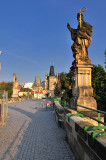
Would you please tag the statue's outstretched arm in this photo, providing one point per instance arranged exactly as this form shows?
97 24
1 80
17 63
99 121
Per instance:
68 26
70 29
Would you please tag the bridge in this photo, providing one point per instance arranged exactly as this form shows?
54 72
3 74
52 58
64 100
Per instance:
31 133
85 130
51 130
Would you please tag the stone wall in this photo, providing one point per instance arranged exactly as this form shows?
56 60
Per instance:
81 143
59 115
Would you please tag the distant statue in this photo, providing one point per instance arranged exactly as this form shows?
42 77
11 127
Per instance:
82 37
15 81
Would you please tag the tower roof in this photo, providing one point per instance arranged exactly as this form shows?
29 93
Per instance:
37 80
51 73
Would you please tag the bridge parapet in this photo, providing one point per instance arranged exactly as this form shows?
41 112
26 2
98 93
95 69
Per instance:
83 136
82 143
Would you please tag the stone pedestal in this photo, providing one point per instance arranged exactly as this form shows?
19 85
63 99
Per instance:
15 93
82 88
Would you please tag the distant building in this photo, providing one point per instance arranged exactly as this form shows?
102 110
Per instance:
37 80
43 84
38 88
46 82
38 95
25 92
50 82
28 85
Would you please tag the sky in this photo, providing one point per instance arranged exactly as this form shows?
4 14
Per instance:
34 35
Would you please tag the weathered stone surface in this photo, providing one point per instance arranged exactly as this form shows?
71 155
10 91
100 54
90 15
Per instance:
59 115
98 145
78 150
82 89
82 144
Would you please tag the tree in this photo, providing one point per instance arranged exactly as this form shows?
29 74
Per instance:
57 91
99 86
105 60
62 89
7 86
62 80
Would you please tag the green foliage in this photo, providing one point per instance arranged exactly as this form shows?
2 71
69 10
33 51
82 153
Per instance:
62 89
99 86
7 86
57 91
66 96
105 60
63 80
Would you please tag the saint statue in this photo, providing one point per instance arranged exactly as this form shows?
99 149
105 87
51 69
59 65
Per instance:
82 37
15 81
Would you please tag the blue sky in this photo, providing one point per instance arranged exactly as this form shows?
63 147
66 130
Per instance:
34 34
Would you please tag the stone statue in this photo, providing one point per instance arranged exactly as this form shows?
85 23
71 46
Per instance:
15 86
82 91
82 37
15 81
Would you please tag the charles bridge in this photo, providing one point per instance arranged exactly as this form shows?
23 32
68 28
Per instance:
36 131
31 133
28 129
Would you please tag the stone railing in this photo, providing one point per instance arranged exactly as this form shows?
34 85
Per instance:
82 144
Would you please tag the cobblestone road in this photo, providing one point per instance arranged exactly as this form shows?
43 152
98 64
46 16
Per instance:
32 134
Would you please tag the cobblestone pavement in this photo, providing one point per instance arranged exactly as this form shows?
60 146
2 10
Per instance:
32 134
